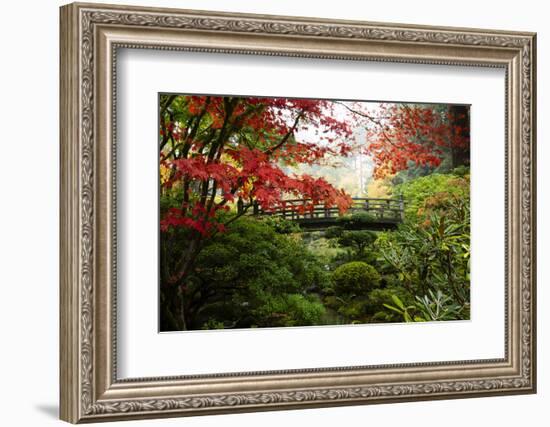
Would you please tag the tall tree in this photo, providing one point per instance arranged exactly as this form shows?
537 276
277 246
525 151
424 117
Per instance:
220 150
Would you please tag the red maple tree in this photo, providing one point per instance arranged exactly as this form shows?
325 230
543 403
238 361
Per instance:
400 136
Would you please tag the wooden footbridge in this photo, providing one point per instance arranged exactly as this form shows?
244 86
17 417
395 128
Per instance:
382 213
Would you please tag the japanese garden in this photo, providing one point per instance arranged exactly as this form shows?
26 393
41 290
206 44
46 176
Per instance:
278 212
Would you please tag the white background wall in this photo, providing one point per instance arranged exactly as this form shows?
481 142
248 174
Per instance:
29 170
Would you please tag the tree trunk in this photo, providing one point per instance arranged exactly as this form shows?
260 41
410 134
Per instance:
171 315
460 118
174 313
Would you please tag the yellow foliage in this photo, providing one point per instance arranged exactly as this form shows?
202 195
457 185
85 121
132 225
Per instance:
164 174
379 188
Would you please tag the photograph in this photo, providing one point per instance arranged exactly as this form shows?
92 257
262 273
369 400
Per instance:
290 212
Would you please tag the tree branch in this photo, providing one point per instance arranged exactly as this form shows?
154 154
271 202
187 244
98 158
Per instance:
167 104
289 133
369 117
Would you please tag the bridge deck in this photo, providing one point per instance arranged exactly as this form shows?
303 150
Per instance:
384 213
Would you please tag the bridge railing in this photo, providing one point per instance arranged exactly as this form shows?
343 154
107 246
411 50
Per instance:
303 209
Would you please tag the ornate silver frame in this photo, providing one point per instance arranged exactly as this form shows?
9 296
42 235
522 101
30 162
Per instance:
90 35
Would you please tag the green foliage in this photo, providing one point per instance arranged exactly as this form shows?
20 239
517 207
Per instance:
406 311
333 302
265 273
354 242
359 240
430 252
212 324
378 298
356 220
417 191
324 250
385 317
355 278
290 310
433 257
439 307
254 276
431 307
461 171
333 232
281 225
354 311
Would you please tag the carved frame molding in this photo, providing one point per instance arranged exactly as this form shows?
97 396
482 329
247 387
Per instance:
90 36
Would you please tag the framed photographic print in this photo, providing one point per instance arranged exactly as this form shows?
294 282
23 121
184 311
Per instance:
266 212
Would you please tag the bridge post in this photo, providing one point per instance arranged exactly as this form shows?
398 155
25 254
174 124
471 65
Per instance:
401 207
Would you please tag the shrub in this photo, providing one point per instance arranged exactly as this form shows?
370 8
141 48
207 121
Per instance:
359 240
432 307
385 317
356 220
378 298
281 225
333 232
332 302
289 310
435 254
417 191
354 311
355 278
213 324
306 310
252 275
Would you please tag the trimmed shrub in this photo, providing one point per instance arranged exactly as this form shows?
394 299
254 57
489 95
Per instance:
355 278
